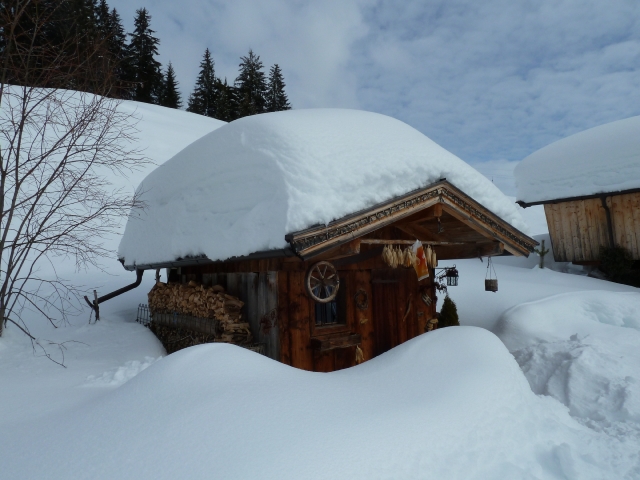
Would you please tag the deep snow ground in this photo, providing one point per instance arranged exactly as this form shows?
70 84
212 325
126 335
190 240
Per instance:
450 404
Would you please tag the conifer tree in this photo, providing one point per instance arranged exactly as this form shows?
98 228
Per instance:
117 45
276 97
448 314
145 69
226 104
203 100
170 95
103 17
251 86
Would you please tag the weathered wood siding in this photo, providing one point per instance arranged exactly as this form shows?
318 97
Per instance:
579 228
625 213
259 292
394 313
282 315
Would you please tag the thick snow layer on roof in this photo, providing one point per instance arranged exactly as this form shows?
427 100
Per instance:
601 159
241 188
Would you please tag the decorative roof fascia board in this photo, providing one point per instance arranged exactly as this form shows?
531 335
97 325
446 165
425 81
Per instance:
315 240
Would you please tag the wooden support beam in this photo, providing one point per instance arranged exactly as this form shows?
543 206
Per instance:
454 252
375 241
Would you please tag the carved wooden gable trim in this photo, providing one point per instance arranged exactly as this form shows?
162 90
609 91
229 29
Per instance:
316 240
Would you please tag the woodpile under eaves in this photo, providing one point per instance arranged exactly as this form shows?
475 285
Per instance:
203 302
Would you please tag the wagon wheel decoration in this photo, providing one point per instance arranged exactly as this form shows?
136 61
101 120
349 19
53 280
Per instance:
322 282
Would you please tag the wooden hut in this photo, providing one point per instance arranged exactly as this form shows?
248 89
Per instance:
326 298
589 184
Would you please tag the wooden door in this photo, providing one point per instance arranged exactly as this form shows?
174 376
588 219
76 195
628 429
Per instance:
386 290
396 307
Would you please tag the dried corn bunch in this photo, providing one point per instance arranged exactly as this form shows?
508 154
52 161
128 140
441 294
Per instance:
399 256
409 257
430 255
390 256
359 355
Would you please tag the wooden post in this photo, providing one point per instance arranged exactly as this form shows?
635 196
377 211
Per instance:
96 307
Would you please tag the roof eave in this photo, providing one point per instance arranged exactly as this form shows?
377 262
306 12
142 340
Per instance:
524 204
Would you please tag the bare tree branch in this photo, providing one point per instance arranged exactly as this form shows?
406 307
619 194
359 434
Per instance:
61 141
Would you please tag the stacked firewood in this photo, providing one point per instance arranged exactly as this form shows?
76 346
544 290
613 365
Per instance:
203 302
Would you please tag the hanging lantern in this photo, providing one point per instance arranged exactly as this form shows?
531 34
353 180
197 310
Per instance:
452 277
491 279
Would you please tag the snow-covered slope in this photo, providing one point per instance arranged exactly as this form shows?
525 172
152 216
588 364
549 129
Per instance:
243 187
163 132
601 159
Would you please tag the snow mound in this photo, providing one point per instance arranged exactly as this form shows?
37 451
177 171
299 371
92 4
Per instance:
243 187
601 159
122 374
582 349
449 404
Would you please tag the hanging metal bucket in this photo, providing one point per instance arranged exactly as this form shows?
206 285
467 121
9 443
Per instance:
491 284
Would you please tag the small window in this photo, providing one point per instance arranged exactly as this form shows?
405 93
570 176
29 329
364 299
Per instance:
332 313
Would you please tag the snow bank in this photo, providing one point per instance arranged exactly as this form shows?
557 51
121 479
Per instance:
243 187
449 404
120 375
601 159
582 349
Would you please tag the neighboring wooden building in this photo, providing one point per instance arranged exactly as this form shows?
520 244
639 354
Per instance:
578 227
377 307
589 184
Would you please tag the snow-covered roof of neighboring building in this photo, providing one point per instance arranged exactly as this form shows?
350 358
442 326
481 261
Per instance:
598 160
243 187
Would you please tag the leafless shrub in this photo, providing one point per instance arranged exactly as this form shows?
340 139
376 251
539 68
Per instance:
58 149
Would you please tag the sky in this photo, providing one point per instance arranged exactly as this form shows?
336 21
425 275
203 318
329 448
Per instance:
491 81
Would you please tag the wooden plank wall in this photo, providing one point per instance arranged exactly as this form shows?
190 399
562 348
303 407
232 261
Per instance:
578 228
383 324
282 315
625 214
259 292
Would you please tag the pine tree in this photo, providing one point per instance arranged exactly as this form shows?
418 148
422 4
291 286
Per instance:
145 68
103 17
251 86
226 105
276 97
119 54
203 100
170 95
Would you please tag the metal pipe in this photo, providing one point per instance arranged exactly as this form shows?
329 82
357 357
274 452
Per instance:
97 301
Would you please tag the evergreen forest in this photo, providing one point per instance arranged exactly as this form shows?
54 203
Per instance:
62 29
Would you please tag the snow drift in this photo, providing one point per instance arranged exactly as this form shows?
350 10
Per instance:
601 159
582 349
241 188
448 404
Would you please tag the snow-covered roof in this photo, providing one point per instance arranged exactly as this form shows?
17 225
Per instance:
243 187
598 160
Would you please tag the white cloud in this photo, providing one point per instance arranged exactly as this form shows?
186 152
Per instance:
311 41
495 79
